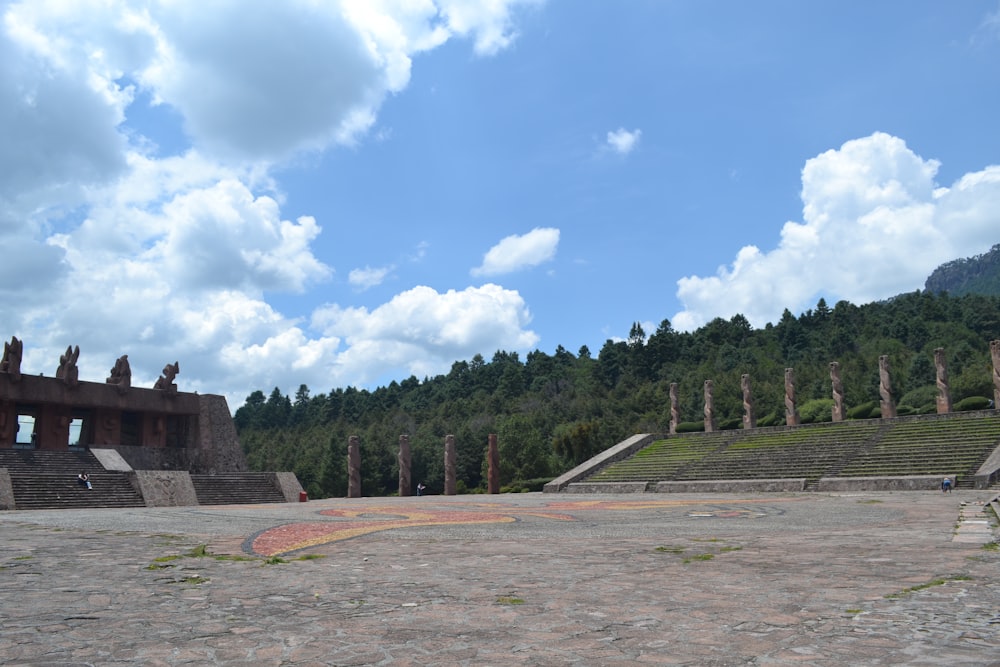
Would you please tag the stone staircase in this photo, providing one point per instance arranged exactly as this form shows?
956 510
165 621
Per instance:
47 480
954 444
237 488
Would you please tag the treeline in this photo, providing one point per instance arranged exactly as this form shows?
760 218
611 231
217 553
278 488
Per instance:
552 411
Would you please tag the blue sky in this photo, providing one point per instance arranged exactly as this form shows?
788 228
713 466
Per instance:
348 193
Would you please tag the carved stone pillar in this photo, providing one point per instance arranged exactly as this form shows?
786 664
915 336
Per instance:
405 486
791 411
995 354
449 465
354 467
709 407
887 405
749 419
944 392
675 409
493 462
838 413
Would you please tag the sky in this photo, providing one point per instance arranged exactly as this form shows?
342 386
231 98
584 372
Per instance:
350 192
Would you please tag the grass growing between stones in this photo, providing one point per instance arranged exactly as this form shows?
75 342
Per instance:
673 549
201 551
507 599
699 557
930 584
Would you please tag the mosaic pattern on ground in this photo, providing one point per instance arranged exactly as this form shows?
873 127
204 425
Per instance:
342 524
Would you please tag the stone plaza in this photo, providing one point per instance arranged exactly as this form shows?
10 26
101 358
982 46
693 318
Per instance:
879 578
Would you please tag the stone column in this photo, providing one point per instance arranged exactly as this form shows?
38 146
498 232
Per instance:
995 353
709 407
885 388
749 419
675 409
493 461
944 392
791 411
354 467
405 487
449 465
838 392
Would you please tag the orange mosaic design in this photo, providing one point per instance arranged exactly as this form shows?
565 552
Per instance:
346 523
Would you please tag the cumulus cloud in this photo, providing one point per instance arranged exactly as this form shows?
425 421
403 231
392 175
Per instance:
174 256
368 277
425 331
622 141
515 253
875 224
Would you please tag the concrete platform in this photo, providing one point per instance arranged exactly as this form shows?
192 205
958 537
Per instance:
685 579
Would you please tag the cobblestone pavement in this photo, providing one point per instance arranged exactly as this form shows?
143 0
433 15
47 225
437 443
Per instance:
708 580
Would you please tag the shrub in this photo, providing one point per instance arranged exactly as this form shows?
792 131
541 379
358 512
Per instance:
771 420
730 424
972 403
526 485
863 411
690 427
922 400
817 410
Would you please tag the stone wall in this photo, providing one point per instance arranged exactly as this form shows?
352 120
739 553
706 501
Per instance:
6 491
165 488
289 485
607 487
732 486
218 448
917 483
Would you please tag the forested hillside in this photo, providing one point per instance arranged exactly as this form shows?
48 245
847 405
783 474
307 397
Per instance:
552 411
972 275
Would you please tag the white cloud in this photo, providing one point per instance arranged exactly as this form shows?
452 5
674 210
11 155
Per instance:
425 331
368 277
875 224
172 257
519 252
622 141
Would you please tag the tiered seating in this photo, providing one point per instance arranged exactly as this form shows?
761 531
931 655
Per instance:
953 446
804 452
47 480
662 459
236 488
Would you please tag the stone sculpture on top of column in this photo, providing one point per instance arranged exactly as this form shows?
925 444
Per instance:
791 411
405 487
749 419
68 371
675 409
885 388
944 392
995 354
354 467
837 414
121 374
449 465
165 382
11 362
709 407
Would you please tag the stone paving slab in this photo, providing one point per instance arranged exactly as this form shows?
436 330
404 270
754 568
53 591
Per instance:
692 579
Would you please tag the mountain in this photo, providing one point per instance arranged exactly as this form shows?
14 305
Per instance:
973 275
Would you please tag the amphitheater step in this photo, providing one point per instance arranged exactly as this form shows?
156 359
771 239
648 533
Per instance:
236 489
